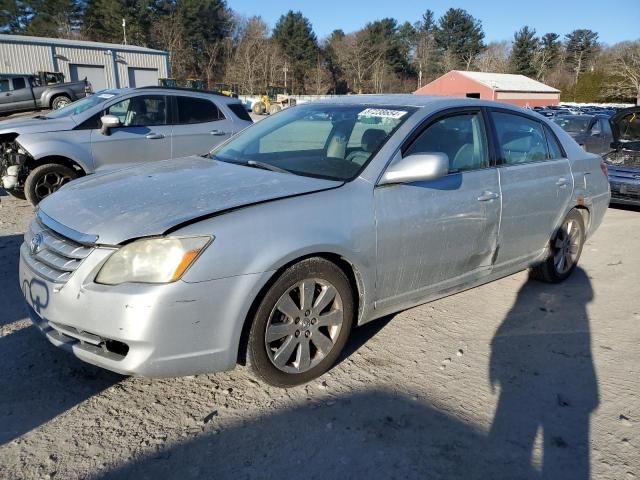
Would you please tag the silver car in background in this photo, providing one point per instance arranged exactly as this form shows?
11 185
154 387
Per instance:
112 129
316 219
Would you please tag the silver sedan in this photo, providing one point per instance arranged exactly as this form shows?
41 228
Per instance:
320 218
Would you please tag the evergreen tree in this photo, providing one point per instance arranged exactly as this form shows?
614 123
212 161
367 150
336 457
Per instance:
294 34
385 35
460 36
581 46
523 53
102 21
14 16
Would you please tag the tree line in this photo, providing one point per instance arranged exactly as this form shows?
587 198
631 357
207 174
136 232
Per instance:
207 40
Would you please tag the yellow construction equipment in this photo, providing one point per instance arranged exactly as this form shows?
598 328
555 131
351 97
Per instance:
275 100
228 89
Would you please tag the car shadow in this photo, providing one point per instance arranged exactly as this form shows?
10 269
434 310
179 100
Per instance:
38 381
540 359
12 307
374 434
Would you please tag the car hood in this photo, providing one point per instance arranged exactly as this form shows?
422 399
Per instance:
150 199
23 126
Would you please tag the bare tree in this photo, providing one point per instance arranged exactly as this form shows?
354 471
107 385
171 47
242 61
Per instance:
495 58
626 65
357 57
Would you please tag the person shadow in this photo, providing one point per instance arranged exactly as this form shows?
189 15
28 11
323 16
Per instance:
541 359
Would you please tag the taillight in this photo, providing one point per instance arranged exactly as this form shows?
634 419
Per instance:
605 168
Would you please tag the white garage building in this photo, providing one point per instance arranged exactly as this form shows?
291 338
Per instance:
106 65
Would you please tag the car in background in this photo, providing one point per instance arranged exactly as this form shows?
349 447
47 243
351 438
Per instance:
324 216
28 92
624 162
112 129
591 132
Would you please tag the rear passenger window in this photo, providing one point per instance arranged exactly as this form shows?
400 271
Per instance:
18 83
240 111
461 137
4 85
520 139
197 110
555 151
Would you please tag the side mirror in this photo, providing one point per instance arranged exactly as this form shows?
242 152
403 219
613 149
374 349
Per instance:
419 167
109 122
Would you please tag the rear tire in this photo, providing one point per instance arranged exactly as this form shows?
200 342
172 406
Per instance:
45 180
60 101
301 324
259 108
564 250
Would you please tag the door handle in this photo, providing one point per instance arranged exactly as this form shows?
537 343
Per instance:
488 196
154 136
562 182
217 133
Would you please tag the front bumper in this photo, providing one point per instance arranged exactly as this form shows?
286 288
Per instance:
168 330
625 191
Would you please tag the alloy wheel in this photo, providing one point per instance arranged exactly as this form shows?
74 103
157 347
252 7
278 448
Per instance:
304 325
566 246
49 183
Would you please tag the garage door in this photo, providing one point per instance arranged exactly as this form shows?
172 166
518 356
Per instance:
93 73
143 77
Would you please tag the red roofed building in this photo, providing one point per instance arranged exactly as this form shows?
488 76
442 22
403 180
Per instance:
502 87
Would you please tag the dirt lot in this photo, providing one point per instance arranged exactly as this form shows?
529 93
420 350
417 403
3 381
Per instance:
513 380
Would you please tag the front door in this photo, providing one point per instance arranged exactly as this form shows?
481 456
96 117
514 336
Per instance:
439 234
536 184
144 134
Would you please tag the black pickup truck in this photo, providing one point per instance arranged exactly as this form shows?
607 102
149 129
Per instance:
26 92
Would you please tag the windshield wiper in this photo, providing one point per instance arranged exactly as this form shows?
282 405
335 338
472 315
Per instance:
266 166
251 163
41 117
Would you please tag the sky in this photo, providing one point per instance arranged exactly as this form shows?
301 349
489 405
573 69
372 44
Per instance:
614 20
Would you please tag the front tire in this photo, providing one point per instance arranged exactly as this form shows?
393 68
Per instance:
45 180
564 250
302 324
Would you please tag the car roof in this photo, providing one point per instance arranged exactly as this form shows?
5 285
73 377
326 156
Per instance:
430 102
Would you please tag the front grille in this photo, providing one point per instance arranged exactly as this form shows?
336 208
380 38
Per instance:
56 258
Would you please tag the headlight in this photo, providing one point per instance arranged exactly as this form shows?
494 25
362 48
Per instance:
153 260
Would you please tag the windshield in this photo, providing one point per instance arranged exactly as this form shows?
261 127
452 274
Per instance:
317 140
84 104
573 124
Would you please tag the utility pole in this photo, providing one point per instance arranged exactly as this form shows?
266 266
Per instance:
420 76
285 69
124 31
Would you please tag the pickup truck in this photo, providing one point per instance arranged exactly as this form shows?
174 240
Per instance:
24 92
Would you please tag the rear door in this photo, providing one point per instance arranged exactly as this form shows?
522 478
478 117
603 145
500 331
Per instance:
145 134
536 184
439 234
199 125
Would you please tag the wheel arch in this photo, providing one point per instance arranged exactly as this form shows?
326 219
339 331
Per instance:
345 265
57 159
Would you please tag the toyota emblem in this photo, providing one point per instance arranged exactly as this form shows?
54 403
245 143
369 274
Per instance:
36 243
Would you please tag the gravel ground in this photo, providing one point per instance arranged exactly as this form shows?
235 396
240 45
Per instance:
512 380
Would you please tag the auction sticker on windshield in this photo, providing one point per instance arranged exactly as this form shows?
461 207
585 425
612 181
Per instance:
382 113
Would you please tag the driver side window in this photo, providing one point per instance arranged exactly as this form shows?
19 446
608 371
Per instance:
141 111
461 137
